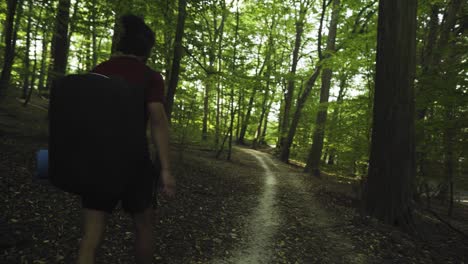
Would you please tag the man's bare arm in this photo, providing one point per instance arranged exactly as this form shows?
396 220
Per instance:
160 138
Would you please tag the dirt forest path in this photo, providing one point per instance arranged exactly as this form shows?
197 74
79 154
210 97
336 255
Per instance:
286 196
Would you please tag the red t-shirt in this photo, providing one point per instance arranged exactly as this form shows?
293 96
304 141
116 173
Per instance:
136 72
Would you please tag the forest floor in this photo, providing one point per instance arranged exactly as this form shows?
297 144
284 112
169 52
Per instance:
253 209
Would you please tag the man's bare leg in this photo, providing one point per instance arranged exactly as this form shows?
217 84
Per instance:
144 242
94 224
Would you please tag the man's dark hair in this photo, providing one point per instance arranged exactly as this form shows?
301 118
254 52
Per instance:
136 38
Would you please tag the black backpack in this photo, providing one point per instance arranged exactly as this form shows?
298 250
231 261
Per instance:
97 134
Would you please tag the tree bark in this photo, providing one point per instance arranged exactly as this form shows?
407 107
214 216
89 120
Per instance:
213 31
388 190
289 93
258 133
174 77
60 44
422 102
334 120
219 34
44 56
246 119
26 61
449 137
285 144
285 151
34 69
259 74
9 46
231 95
94 34
206 101
265 120
313 160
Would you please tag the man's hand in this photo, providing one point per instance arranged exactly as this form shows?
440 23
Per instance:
167 182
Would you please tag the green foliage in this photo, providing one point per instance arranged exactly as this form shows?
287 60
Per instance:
217 58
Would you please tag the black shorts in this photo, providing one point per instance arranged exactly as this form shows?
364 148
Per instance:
138 196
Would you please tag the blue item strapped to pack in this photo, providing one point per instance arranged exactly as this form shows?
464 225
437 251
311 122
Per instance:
42 157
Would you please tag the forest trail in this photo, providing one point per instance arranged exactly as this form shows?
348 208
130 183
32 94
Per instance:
286 193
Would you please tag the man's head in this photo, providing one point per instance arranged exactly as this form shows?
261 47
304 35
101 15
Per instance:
136 38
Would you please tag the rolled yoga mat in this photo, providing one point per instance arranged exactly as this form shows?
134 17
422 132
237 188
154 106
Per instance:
42 157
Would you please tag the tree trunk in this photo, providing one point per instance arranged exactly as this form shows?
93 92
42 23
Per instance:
206 108
449 111
265 120
335 115
388 190
258 133
246 120
174 77
213 35
425 80
285 144
231 95
26 61
285 151
240 104
34 69
289 93
259 73
60 45
313 161
449 136
219 34
9 46
44 56
246 117
94 34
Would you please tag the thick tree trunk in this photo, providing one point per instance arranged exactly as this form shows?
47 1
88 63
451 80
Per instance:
9 46
174 77
388 190
60 45
313 161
